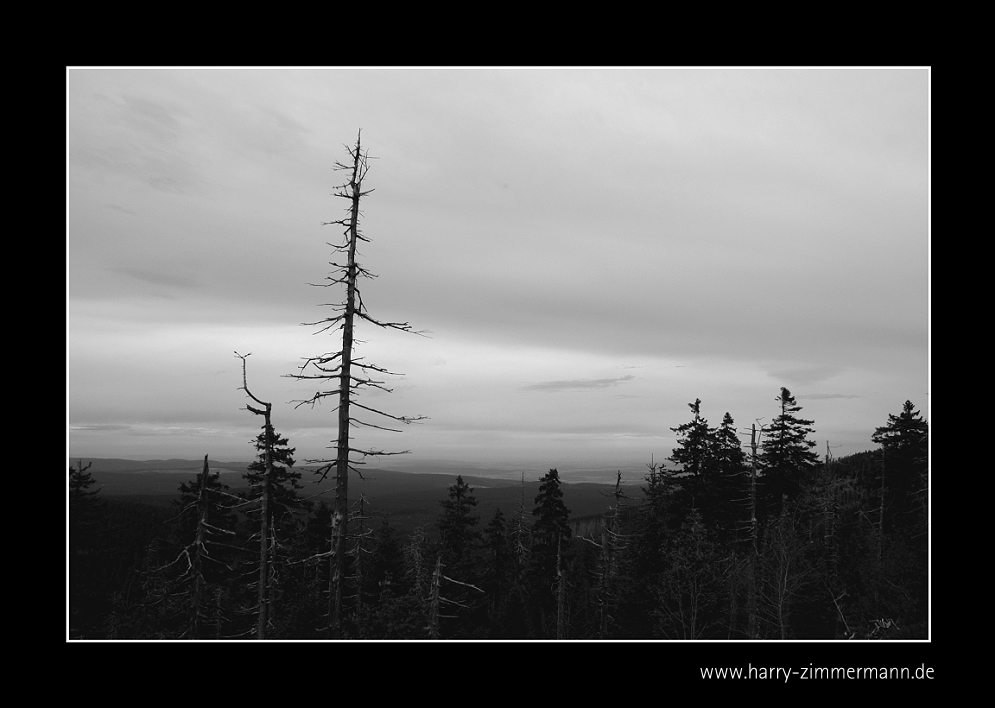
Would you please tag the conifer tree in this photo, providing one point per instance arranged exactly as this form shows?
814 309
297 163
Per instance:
273 495
904 445
550 530
85 511
695 446
394 611
457 523
500 570
552 515
730 501
787 457
284 506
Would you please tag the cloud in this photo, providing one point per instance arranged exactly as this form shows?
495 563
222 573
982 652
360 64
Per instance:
107 427
576 384
159 277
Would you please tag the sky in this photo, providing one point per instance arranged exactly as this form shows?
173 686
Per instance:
586 251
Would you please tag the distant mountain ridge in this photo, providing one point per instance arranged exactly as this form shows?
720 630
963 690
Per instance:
120 465
410 499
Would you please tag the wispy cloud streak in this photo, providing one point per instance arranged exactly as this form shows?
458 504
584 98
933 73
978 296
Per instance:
576 384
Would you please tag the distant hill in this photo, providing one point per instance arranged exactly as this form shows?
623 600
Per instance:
116 477
410 499
116 465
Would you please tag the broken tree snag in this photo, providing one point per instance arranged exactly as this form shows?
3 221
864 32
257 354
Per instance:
264 503
347 375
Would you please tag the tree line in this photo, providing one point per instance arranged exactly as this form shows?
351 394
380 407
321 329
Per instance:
762 540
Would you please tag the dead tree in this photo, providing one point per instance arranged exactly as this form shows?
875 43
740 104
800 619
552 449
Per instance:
436 600
351 375
199 549
612 541
521 532
264 540
561 591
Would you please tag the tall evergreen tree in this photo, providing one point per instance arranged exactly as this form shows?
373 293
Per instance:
694 450
729 510
286 517
500 571
460 573
552 515
550 534
904 445
86 605
283 505
787 457
457 532
694 456
84 510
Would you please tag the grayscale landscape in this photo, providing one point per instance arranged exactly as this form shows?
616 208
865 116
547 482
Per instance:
633 353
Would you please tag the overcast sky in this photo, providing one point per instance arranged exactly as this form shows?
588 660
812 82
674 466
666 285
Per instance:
588 250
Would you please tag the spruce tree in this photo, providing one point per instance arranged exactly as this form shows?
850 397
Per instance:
283 505
904 445
729 511
552 515
695 454
550 534
85 515
457 532
500 571
84 511
461 571
285 519
694 450
787 457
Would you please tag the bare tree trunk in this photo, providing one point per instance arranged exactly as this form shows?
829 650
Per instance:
351 375
264 535
606 580
753 487
751 596
264 540
433 613
198 578
561 592
340 514
881 508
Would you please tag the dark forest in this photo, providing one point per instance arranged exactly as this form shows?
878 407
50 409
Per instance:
731 539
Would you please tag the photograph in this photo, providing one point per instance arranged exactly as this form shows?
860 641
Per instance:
501 354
